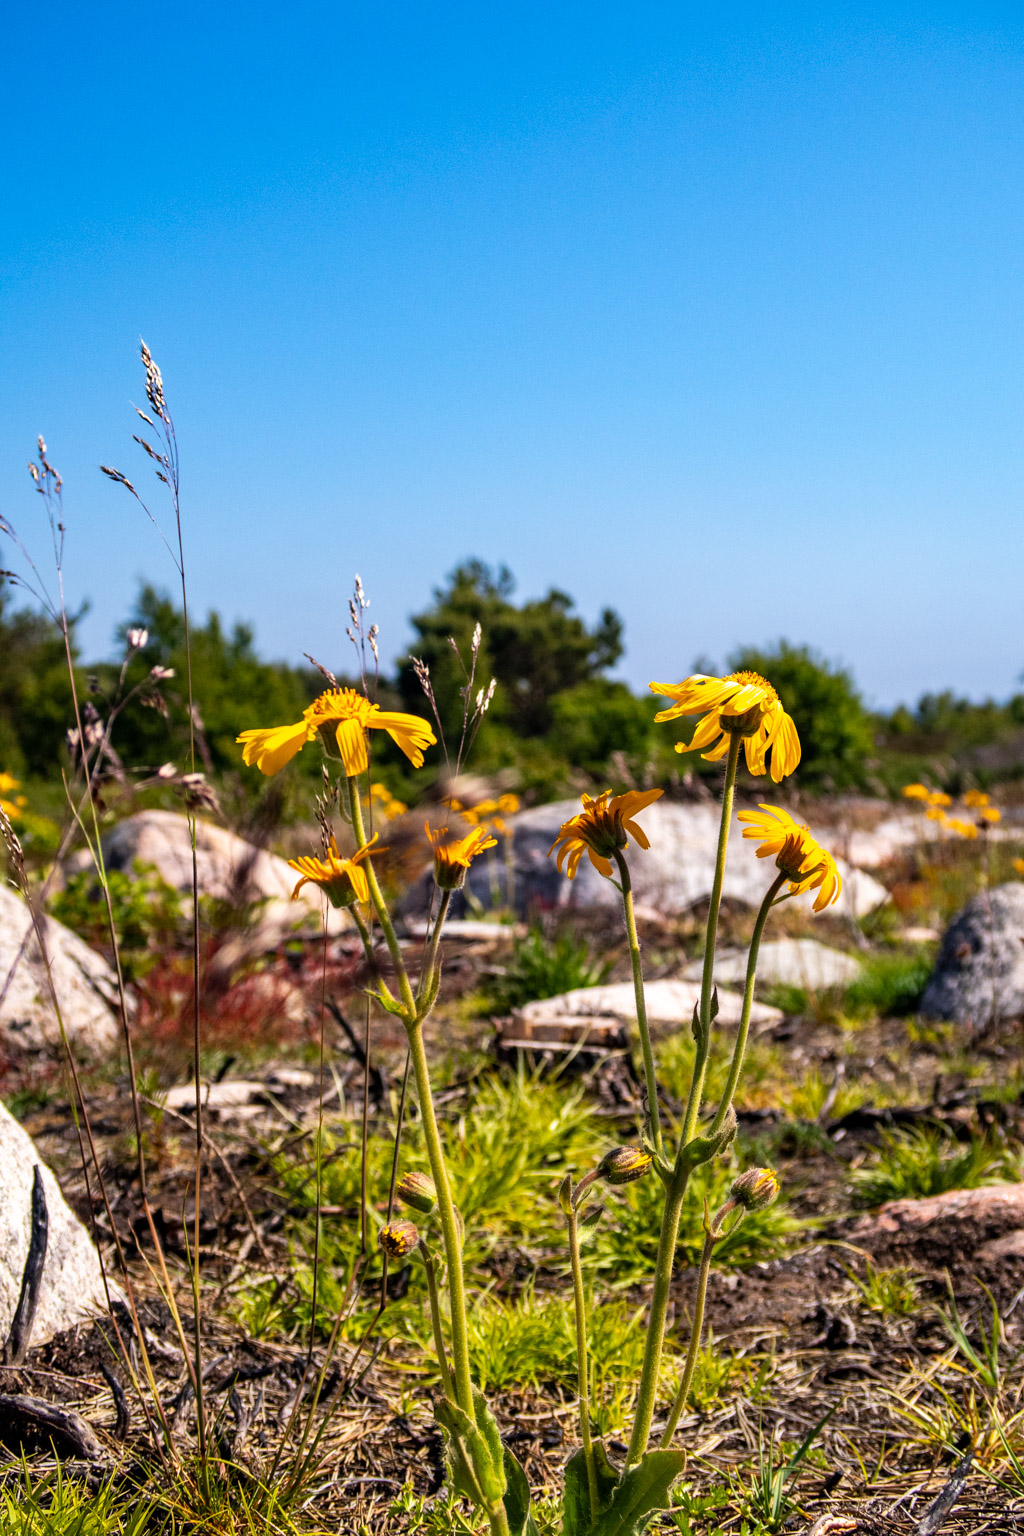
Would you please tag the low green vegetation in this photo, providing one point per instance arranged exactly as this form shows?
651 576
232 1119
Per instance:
926 1160
543 965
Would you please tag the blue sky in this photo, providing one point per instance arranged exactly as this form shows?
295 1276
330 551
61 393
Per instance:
713 316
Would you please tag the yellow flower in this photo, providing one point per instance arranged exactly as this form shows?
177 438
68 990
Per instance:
1018 865
933 813
976 799
453 856
916 791
600 829
991 813
961 828
341 880
937 798
12 809
741 704
353 715
799 856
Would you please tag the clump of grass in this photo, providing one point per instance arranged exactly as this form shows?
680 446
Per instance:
52 1504
889 985
890 1292
925 1160
543 966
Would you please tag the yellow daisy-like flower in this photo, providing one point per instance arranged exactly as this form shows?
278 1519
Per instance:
742 704
453 856
799 856
936 813
601 828
937 798
961 828
1018 865
990 813
916 792
975 798
352 715
341 880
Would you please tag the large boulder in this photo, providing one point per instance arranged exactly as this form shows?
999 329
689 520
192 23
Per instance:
227 867
71 1289
84 983
672 876
979 974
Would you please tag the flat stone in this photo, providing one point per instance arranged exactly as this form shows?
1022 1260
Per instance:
226 1095
979 974
72 1285
84 983
999 1206
670 1004
672 876
473 930
792 962
920 935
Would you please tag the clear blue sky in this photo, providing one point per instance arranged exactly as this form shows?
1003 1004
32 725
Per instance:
710 313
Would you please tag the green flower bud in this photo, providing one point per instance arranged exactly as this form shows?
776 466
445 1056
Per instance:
398 1238
417 1190
624 1164
756 1189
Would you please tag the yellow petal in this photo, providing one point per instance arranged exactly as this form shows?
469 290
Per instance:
352 746
270 748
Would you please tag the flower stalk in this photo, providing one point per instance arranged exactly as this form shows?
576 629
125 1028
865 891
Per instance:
582 1361
650 1073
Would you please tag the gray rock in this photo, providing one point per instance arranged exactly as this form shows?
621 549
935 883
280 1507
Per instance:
979 975
72 1284
672 876
228 868
669 1004
793 962
85 985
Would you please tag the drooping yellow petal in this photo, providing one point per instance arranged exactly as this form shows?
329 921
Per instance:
351 738
273 746
408 732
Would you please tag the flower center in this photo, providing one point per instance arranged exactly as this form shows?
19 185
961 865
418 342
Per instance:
339 704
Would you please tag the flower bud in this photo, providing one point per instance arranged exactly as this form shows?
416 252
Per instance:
624 1164
417 1190
398 1238
755 1189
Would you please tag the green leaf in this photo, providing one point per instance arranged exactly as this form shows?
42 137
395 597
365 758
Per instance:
475 1448
387 1002
576 1515
642 1491
517 1498
487 1424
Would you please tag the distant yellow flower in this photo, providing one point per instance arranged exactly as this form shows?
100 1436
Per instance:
933 813
341 880
601 828
976 799
1018 865
937 798
799 856
961 828
12 809
453 856
990 813
742 704
916 791
353 715
384 802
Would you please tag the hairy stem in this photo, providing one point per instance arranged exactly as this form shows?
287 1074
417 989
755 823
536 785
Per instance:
650 1076
430 1265
707 978
647 1392
696 1328
739 1049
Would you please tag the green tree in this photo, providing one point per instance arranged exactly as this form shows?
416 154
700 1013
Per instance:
834 726
35 692
535 651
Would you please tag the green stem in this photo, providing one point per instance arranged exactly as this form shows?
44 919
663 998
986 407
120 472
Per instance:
695 1333
429 1264
650 1076
430 956
647 1391
582 1367
435 1154
736 1065
707 978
